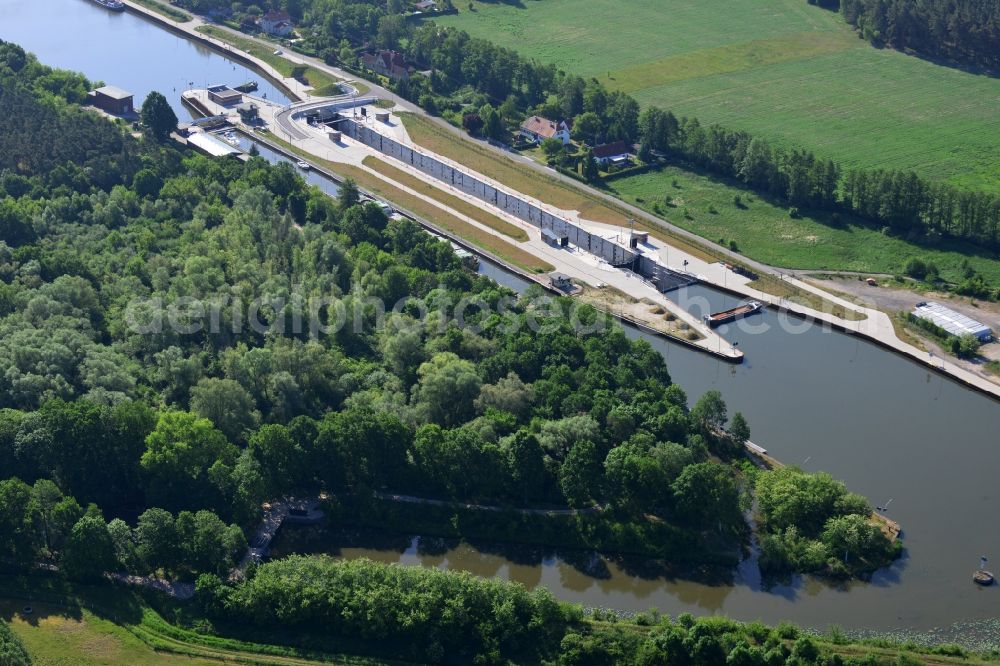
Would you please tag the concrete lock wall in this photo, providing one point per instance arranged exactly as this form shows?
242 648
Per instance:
613 253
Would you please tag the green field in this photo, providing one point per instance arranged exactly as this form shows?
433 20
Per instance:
764 230
779 68
101 625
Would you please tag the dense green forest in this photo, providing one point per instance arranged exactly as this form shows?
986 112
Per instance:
182 339
967 31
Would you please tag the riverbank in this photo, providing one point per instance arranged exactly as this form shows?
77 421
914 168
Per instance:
98 624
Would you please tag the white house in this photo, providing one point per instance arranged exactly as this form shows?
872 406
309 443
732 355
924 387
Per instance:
277 23
617 153
537 129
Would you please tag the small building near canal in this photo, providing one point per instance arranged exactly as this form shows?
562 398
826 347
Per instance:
113 100
224 95
955 323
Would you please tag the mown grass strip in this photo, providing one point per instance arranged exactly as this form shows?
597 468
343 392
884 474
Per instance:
726 59
444 220
171 13
450 200
323 84
520 178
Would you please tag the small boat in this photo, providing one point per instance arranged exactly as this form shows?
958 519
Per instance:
726 316
113 5
982 576
247 87
231 138
302 164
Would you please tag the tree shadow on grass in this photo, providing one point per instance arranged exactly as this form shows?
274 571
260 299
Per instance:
51 595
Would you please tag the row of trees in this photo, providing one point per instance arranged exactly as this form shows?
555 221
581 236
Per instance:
39 523
454 618
963 30
903 201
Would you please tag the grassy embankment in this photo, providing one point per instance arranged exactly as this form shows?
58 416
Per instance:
323 84
171 13
763 229
783 69
451 201
444 220
93 625
568 197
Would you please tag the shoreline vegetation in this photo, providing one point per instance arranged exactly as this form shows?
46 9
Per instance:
166 10
94 623
323 83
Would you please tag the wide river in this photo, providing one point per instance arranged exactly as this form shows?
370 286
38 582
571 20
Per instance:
894 431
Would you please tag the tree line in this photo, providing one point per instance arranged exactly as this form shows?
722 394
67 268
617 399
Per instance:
902 201
967 31
445 617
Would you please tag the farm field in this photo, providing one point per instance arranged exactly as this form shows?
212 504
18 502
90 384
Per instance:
765 231
779 68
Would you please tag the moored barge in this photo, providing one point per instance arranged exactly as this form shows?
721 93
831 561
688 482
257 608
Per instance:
113 5
726 316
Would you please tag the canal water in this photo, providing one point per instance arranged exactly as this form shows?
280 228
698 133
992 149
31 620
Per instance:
896 432
121 49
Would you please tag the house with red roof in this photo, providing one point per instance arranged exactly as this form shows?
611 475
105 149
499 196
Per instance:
536 129
276 23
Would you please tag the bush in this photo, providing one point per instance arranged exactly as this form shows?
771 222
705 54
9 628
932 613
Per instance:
974 286
966 346
918 269
12 651
429 104
787 631
421 613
